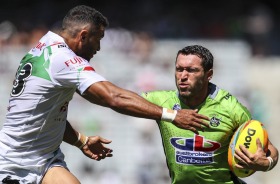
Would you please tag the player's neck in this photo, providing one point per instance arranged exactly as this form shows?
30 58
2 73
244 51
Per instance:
194 101
71 42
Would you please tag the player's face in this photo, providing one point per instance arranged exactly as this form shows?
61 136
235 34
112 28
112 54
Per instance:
90 42
191 79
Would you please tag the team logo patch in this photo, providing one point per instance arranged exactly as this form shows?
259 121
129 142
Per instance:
215 121
177 107
194 151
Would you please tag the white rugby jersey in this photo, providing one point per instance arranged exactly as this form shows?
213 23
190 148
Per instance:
46 80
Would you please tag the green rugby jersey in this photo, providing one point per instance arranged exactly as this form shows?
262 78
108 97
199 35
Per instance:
200 159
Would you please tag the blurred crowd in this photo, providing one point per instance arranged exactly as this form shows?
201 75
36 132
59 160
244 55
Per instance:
256 22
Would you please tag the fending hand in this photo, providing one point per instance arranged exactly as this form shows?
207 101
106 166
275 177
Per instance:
191 120
95 149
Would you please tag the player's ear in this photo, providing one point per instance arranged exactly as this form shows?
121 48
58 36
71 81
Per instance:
209 74
82 35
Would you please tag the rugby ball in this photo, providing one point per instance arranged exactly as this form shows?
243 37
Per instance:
246 135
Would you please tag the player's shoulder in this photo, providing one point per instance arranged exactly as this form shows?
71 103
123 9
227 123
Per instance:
60 55
222 96
160 96
50 45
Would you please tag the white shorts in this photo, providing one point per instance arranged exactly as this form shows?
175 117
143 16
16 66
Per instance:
13 173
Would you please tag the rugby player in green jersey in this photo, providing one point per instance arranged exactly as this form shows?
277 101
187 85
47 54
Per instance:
201 158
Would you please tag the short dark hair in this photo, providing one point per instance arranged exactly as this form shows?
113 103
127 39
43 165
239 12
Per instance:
202 52
83 14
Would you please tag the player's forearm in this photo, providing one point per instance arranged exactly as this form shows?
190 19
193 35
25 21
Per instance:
132 104
122 101
70 135
273 154
73 137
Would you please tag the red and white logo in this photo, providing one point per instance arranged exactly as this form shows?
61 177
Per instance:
40 46
74 61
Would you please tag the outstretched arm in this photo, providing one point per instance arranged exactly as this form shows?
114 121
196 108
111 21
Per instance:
260 161
91 146
127 102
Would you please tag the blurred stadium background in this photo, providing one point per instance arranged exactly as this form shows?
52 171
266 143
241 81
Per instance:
138 53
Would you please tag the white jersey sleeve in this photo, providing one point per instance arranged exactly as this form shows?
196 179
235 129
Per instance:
73 71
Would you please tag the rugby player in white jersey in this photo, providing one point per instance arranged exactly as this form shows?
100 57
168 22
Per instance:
47 77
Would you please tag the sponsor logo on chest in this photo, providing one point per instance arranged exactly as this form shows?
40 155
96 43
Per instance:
194 151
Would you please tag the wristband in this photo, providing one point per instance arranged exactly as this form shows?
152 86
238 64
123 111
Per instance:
84 143
168 115
82 140
270 164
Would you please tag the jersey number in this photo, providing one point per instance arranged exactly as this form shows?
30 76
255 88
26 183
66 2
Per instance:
21 76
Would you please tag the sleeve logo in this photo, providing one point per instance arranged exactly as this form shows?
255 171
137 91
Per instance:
74 61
